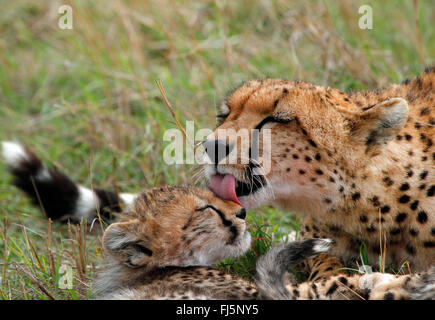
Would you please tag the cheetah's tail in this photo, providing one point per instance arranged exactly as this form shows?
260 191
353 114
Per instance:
272 267
59 197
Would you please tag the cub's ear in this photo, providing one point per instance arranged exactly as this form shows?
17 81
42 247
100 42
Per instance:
125 242
378 124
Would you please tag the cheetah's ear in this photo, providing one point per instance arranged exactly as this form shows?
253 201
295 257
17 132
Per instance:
378 124
122 241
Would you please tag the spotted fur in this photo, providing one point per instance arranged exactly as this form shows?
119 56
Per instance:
357 166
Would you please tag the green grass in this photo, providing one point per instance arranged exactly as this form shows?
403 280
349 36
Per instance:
86 100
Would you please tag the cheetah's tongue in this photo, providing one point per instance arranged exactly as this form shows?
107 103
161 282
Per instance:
224 186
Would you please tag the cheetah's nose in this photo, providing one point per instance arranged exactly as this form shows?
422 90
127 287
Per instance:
216 150
241 214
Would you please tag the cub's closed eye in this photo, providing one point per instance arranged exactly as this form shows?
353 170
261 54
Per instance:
271 119
222 115
220 213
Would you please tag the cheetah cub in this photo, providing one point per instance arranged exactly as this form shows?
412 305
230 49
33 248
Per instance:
165 243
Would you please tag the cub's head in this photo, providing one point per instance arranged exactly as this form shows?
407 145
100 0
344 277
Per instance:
308 143
177 226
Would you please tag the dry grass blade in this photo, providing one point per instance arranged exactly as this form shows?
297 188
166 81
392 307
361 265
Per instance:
23 289
80 232
74 251
3 295
171 110
409 267
351 290
31 247
96 202
49 251
37 195
5 251
34 280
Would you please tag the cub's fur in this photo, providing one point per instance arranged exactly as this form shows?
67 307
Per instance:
164 245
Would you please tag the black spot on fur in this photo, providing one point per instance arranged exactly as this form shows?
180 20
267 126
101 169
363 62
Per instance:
302 171
371 229
395 231
356 196
343 280
404 187
430 192
422 217
429 244
375 201
332 289
388 181
413 232
385 209
312 143
404 199
389 296
414 205
423 137
410 249
401 217
314 274
423 175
